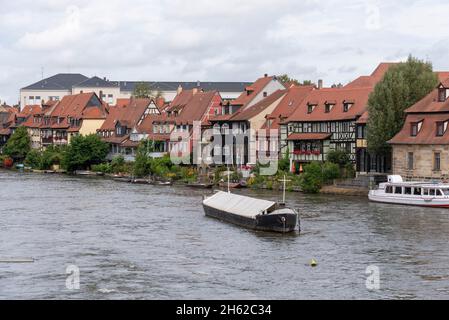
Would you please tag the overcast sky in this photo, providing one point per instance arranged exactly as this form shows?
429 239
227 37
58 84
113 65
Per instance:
214 40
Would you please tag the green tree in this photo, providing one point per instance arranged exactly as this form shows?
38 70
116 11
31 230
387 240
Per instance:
402 86
285 78
18 145
142 164
312 178
339 157
33 159
84 151
118 164
143 90
284 163
52 155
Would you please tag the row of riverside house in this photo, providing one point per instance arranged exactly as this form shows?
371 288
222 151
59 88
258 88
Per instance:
310 122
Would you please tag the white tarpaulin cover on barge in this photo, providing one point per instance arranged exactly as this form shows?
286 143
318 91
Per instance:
236 204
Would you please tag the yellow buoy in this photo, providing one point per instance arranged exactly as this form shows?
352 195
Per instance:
313 263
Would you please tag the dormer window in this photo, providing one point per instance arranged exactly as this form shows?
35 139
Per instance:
442 94
328 107
346 106
415 128
310 108
265 94
441 128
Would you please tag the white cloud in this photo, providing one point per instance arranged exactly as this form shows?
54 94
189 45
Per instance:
214 40
63 34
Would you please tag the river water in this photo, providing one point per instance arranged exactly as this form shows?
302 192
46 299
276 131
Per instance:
147 242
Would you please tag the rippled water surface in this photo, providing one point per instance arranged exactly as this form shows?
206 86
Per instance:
146 242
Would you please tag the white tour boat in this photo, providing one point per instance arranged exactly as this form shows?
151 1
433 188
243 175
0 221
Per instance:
425 194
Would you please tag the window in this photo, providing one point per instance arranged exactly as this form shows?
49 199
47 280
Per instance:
328 107
310 108
361 132
446 192
414 129
346 107
440 129
426 192
110 98
265 94
432 192
408 190
410 160
389 189
398 190
441 95
437 161
439 193
417 191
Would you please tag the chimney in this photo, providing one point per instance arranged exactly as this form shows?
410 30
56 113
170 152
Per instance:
160 101
198 83
320 84
179 90
266 75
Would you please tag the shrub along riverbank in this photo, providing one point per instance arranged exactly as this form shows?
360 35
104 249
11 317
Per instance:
90 152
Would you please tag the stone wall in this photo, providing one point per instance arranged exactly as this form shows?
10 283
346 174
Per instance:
423 162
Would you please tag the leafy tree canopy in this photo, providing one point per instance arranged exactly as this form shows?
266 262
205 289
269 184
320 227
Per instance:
84 151
285 78
18 145
402 86
143 90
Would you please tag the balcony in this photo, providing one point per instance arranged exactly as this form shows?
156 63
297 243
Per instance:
307 156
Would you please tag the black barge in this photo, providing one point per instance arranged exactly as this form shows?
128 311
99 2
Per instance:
251 213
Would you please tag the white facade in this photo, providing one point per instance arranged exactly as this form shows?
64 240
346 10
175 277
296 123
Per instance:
269 89
35 97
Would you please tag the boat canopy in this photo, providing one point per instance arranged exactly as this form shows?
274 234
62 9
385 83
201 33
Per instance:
237 204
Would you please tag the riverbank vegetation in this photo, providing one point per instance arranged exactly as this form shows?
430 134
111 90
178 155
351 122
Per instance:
90 152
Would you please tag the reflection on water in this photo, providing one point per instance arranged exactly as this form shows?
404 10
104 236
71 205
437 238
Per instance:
135 242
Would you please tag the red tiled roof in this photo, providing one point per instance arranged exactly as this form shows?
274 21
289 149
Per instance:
246 97
128 114
293 99
259 107
429 104
115 140
181 99
130 144
74 106
221 117
308 136
30 110
363 119
196 108
357 96
373 79
5 131
442 75
427 134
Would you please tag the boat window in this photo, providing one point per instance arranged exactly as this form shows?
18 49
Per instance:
439 193
408 191
398 190
446 192
426 192
432 192
389 189
417 192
